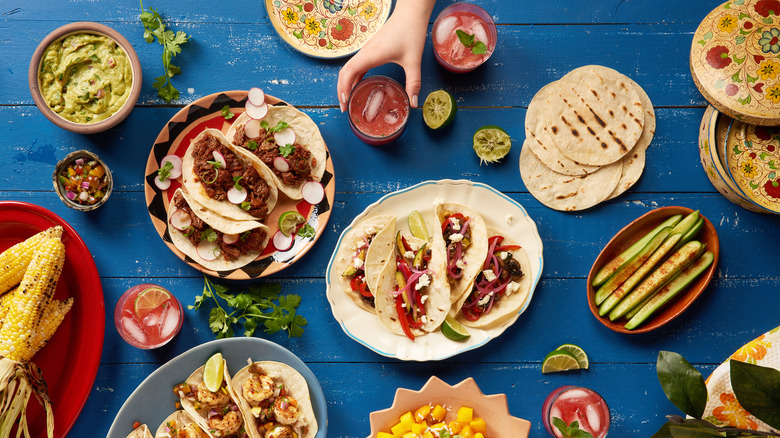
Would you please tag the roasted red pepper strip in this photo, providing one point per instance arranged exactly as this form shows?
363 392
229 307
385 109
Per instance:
402 317
407 247
507 248
358 284
497 239
447 221
472 313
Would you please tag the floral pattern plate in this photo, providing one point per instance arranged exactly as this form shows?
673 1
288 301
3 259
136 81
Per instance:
735 60
327 28
753 162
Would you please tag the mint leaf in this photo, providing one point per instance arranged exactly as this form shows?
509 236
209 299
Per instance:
479 48
470 41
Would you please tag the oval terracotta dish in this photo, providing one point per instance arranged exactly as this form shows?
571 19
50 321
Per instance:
492 408
90 28
633 232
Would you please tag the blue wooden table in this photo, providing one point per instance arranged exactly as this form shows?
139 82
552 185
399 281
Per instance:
234 46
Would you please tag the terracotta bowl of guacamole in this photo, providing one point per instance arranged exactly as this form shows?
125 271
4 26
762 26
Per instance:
85 77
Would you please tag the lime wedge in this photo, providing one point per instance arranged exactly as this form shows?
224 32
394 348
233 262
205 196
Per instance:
289 221
578 352
491 143
439 109
559 360
417 226
214 372
150 299
454 330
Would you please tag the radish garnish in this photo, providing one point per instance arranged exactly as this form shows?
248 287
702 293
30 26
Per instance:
180 220
236 195
208 250
230 238
175 170
218 157
282 242
161 184
256 96
252 128
285 136
281 164
312 192
256 111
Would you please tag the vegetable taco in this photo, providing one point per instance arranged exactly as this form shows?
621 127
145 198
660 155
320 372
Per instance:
179 425
292 164
210 239
501 287
225 179
363 253
276 399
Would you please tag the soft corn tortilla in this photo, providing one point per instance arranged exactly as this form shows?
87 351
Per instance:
306 426
201 415
219 223
307 134
182 419
191 182
141 431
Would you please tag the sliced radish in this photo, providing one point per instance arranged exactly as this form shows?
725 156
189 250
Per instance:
252 128
256 112
220 158
312 192
285 136
175 161
180 220
256 96
282 242
230 238
281 164
161 184
236 196
208 250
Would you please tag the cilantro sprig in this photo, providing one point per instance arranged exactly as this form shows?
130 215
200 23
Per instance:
165 171
171 42
570 430
281 124
286 150
260 304
226 113
470 41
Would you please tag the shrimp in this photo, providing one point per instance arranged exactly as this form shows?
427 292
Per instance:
286 410
257 388
210 399
226 425
189 431
279 432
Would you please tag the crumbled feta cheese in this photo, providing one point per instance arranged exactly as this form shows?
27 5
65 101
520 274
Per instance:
460 264
489 274
423 281
409 254
456 237
357 263
511 288
509 219
424 319
361 243
370 231
485 299
423 299
455 224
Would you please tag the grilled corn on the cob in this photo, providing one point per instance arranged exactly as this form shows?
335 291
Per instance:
14 260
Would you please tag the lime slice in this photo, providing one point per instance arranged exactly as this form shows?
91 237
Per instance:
578 352
150 299
289 221
559 360
213 372
417 226
491 143
439 109
454 330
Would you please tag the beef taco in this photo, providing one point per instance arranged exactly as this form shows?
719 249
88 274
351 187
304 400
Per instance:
501 287
210 239
304 158
276 399
225 179
179 425
462 235
413 294
363 253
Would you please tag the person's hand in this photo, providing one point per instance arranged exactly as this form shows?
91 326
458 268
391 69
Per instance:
400 40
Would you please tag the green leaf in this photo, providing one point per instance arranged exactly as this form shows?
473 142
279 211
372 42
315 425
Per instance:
479 48
307 231
682 383
758 390
739 40
744 101
737 59
735 78
707 35
743 15
226 113
286 150
209 234
750 78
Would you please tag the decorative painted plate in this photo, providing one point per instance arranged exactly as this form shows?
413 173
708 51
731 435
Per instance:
175 138
158 386
753 162
498 210
327 28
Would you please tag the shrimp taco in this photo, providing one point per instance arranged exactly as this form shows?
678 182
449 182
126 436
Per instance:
141 431
276 399
292 164
413 294
501 287
462 234
363 252
179 425
225 179
210 239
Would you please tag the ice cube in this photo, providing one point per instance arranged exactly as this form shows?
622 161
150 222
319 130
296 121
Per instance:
594 418
457 51
479 32
134 330
374 104
576 394
445 29
168 323
392 117
152 319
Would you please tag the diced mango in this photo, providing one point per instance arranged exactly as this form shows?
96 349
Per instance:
466 432
385 435
479 435
478 425
438 425
438 413
398 429
419 428
422 413
407 420
465 415
455 427
427 434
409 435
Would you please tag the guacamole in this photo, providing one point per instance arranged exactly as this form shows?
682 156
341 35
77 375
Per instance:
85 78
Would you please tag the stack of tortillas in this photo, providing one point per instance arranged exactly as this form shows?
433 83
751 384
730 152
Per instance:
586 137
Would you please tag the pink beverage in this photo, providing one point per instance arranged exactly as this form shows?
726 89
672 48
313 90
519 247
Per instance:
147 316
378 110
450 51
575 403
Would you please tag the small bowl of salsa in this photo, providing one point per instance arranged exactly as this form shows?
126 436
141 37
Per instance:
83 181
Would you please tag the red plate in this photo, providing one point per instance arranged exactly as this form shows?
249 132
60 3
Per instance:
70 360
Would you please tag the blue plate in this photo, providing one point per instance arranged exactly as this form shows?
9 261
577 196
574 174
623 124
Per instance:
154 400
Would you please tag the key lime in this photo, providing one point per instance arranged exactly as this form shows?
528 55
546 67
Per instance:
214 372
289 221
491 143
417 226
454 330
150 299
578 352
439 109
559 360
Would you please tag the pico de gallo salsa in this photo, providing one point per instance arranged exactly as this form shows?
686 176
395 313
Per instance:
412 278
495 280
84 181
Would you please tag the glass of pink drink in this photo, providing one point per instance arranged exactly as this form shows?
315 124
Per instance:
575 403
451 53
378 110
147 316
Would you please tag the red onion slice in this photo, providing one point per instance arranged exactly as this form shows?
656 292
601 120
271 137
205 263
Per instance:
256 112
236 196
220 158
175 161
281 164
282 242
230 238
313 192
180 220
256 96
252 128
285 136
208 250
